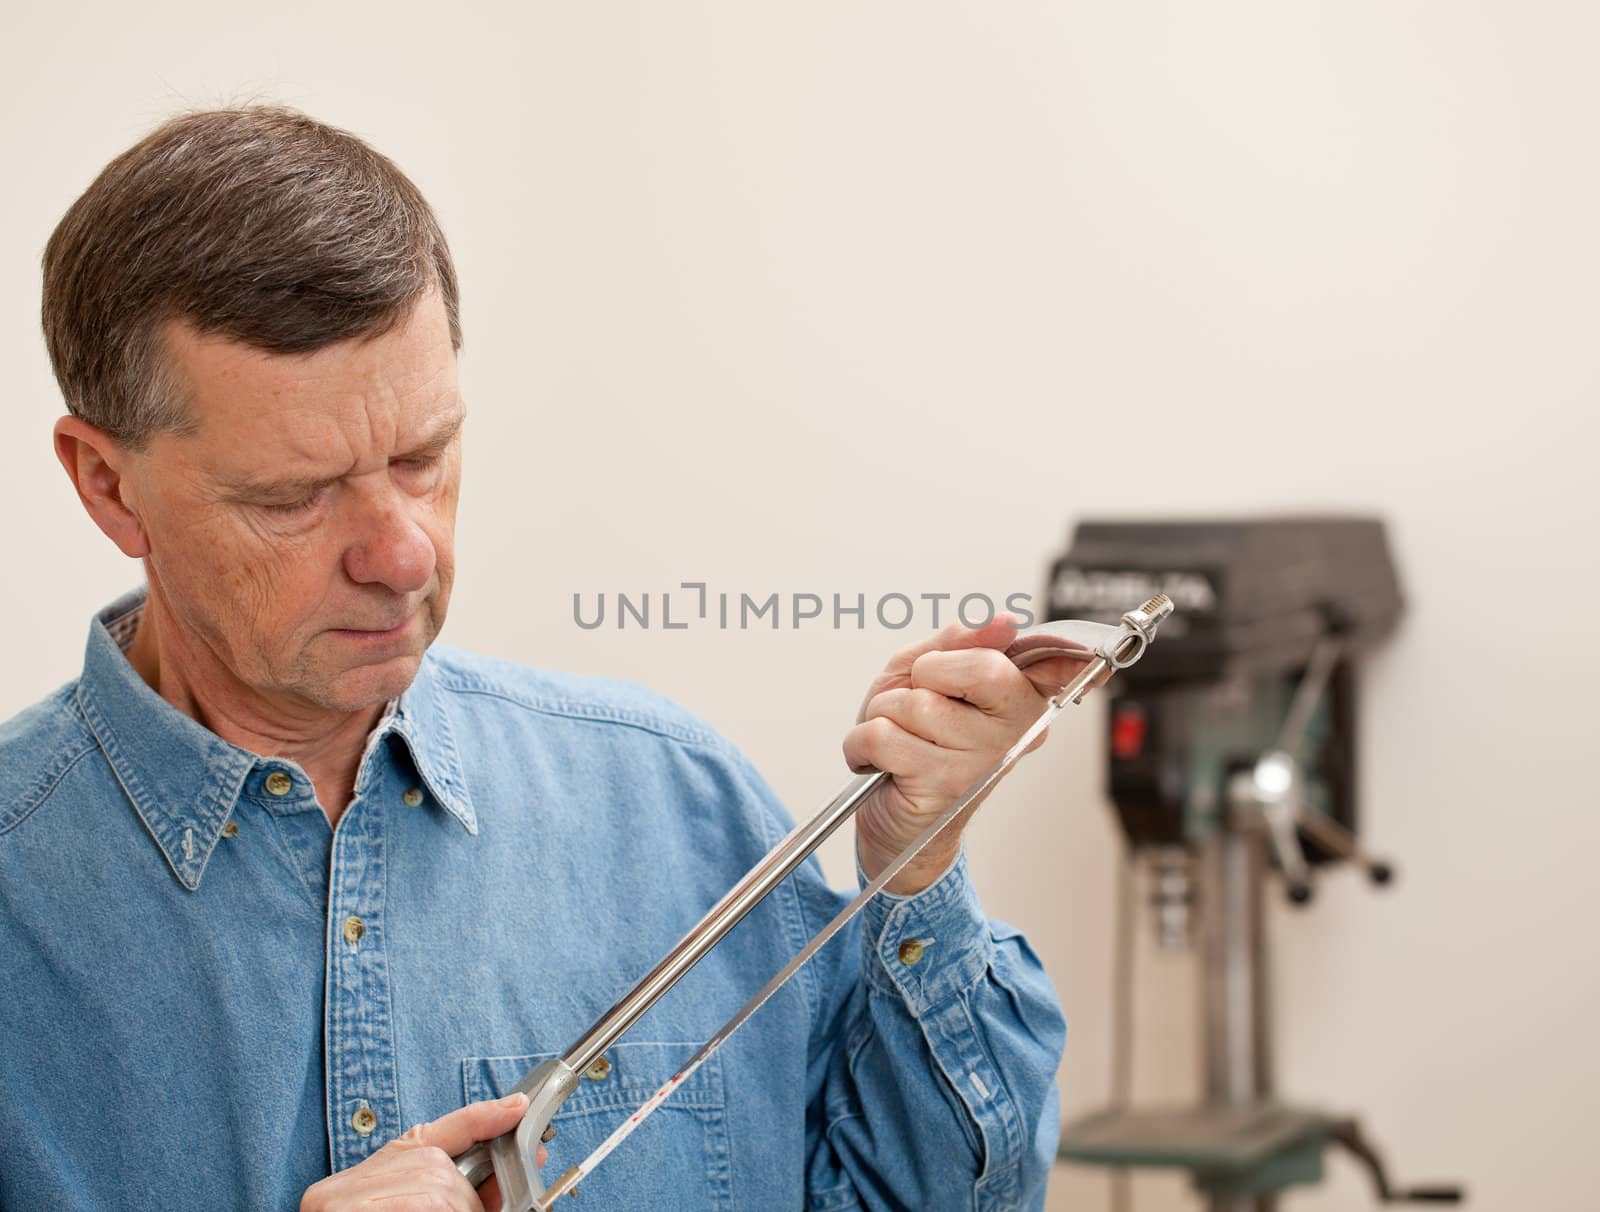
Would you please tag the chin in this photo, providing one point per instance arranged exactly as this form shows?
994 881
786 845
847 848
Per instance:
336 676
369 685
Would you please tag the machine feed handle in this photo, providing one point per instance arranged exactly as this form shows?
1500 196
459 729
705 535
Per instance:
1349 1134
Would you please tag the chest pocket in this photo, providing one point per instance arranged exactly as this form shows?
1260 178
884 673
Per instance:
675 1161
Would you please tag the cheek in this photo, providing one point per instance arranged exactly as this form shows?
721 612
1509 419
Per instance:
440 526
294 582
442 534
246 581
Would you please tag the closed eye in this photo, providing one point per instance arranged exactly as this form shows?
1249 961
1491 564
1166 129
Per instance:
289 508
419 473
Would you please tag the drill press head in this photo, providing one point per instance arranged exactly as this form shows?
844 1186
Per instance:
1256 600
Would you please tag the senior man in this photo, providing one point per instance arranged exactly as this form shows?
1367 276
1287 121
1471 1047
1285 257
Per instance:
291 896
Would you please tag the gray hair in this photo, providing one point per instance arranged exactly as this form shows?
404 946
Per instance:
257 223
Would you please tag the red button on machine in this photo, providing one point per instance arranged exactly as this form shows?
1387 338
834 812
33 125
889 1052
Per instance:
1128 730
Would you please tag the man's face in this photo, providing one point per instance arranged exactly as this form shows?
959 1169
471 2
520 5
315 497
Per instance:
302 536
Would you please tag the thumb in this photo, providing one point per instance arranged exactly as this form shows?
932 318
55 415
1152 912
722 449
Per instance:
998 632
461 1129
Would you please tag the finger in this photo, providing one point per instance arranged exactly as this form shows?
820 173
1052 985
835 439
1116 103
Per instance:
489 1193
461 1129
874 741
982 677
881 744
934 717
425 1170
946 672
997 633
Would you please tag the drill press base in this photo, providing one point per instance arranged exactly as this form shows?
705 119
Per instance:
1254 1149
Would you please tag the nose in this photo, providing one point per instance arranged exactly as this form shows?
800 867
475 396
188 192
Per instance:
389 547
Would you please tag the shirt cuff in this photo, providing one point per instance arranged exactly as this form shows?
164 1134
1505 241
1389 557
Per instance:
929 948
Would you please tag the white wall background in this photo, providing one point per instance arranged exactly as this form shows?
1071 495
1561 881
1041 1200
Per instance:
841 297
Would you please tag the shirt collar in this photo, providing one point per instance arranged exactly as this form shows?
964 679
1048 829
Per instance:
184 781
421 719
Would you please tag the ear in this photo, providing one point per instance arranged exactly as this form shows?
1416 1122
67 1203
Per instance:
97 464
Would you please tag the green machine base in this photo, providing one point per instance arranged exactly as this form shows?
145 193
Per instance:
1255 1149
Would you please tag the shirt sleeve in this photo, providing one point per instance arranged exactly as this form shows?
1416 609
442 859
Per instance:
935 1042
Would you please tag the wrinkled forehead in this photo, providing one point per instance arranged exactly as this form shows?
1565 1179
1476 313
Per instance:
352 401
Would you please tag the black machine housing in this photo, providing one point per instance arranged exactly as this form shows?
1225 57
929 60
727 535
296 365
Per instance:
1254 598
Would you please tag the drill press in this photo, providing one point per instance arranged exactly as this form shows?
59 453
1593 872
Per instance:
1231 757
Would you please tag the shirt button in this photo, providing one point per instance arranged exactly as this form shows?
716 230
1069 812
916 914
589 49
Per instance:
599 1071
278 783
354 928
910 951
364 1120
412 797
231 829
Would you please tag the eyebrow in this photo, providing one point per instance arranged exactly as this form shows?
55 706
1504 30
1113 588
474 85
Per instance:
251 487
439 440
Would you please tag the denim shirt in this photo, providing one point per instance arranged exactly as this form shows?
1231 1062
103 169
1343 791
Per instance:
212 999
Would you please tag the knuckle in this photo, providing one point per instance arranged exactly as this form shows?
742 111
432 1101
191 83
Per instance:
437 1159
881 732
924 706
391 1149
906 705
995 666
873 703
883 703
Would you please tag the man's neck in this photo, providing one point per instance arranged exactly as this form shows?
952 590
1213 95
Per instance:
325 743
